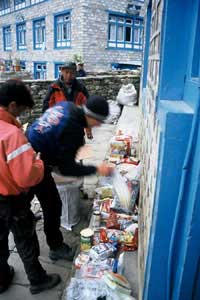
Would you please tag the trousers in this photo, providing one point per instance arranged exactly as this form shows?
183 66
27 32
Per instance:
49 198
16 216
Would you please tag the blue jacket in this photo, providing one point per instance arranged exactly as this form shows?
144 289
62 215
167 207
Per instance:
57 135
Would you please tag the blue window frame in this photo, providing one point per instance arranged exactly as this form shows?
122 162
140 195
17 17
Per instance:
40 70
19 4
36 1
39 33
63 30
125 32
22 64
8 65
4 7
7 38
21 36
58 69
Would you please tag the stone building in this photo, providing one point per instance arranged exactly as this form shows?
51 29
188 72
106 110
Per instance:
169 248
42 34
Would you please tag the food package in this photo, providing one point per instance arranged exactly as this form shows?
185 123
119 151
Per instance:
130 241
112 221
120 146
110 235
81 260
117 282
96 269
105 205
102 251
105 191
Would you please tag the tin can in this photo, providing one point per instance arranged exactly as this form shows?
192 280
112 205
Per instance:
86 239
96 219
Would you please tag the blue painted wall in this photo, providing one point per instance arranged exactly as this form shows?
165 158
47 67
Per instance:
173 262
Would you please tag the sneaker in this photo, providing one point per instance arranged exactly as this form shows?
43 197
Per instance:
50 282
7 280
63 252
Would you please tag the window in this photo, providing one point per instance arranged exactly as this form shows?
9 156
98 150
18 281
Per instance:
125 32
20 4
22 65
40 70
62 31
7 38
4 7
39 34
58 69
8 65
21 36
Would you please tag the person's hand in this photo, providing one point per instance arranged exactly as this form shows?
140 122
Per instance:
37 156
105 169
89 135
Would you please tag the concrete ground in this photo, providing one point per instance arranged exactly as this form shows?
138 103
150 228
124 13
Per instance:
20 287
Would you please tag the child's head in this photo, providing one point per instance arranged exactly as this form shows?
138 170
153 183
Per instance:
15 97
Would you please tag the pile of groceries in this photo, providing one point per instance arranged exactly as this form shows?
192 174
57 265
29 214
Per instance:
113 229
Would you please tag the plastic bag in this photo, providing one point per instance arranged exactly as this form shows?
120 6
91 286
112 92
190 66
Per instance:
127 94
122 190
81 289
114 112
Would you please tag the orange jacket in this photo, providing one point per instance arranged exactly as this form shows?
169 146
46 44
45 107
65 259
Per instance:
18 164
58 96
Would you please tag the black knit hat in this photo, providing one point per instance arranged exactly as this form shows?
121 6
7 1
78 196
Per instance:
97 108
70 65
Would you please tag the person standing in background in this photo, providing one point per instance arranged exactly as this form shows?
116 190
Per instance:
67 88
80 70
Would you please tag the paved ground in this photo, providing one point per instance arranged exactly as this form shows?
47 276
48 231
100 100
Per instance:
20 287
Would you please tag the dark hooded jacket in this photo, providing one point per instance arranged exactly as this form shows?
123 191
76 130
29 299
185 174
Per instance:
57 135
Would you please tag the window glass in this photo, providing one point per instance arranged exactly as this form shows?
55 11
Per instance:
125 32
128 34
21 36
63 31
120 33
7 38
40 71
112 32
19 4
39 34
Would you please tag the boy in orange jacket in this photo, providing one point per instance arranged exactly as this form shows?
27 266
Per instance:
20 168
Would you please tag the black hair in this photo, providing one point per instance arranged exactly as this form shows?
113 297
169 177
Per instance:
15 90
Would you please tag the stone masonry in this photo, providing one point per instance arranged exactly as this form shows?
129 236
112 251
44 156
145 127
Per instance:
89 34
107 86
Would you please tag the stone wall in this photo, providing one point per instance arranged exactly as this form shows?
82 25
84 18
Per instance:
150 136
105 85
89 34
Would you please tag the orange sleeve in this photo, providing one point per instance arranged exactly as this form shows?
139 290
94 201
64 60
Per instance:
25 169
80 99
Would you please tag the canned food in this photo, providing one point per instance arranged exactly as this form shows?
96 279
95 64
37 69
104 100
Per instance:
96 218
86 239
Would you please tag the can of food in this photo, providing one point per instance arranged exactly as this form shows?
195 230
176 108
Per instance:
96 218
86 239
